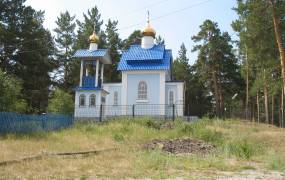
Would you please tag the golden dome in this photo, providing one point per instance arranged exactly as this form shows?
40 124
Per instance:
94 38
148 31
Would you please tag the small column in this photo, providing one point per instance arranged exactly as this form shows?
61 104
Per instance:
81 73
87 71
97 71
102 73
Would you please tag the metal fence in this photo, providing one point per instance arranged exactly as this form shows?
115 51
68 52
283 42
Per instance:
22 123
102 112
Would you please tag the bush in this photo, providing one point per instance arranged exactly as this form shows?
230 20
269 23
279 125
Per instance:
150 123
199 130
61 103
277 162
243 148
10 94
118 137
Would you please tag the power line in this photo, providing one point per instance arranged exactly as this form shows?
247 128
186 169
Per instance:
133 25
144 7
167 14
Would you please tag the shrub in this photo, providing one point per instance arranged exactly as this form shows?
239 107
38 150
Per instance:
150 123
199 130
243 148
118 137
276 162
10 94
61 102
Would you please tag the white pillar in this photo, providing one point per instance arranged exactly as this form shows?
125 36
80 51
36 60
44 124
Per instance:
87 71
102 73
81 73
97 70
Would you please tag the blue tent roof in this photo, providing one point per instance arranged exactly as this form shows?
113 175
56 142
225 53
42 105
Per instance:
137 58
101 54
81 53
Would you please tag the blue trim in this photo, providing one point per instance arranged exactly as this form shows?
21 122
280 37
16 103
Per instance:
87 88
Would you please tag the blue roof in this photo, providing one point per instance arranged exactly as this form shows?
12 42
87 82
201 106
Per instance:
137 58
85 53
137 53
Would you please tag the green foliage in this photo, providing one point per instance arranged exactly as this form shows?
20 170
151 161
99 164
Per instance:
85 29
196 98
199 130
118 137
134 38
113 42
217 66
276 162
243 148
150 123
61 102
65 39
27 51
10 90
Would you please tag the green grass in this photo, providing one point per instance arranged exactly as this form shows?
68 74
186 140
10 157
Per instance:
237 144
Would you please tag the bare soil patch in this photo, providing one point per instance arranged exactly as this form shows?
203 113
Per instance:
181 146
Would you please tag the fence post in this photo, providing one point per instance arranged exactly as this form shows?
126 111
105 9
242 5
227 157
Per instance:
173 112
101 110
133 110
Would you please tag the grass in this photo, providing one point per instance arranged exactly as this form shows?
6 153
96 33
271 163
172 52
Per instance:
240 146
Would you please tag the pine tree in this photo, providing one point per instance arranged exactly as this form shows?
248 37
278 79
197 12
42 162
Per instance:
28 50
134 38
216 64
114 44
65 39
85 29
258 49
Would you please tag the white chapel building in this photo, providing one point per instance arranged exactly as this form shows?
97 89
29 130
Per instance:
146 88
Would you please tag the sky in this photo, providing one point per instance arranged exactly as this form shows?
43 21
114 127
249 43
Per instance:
175 20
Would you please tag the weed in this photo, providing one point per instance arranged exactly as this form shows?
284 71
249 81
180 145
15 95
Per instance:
276 162
243 148
118 137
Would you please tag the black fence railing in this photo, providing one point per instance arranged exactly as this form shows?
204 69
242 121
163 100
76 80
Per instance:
101 112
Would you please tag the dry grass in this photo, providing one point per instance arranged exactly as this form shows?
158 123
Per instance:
233 154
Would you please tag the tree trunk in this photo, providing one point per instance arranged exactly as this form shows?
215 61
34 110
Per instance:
282 108
253 112
276 22
247 87
257 105
272 109
216 93
266 104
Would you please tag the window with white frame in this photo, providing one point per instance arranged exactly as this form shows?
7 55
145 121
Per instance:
142 91
82 100
92 100
171 97
116 98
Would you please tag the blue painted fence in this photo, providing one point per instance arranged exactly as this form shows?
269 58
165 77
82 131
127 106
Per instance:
22 123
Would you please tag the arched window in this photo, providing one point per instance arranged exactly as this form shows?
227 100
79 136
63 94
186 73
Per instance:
92 100
171 97
115 98
82 100
142 91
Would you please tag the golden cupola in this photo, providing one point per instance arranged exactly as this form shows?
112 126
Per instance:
94 38
148 30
